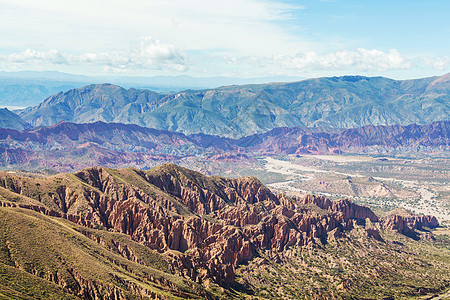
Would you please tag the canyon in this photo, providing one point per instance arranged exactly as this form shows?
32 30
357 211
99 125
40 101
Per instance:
202 228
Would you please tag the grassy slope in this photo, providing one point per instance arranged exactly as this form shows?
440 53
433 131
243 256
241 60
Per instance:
354 267
18 284
45 246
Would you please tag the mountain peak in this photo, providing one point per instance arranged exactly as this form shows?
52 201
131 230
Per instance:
236 111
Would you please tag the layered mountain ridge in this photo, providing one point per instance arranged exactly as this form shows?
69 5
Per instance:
199 229
70 146
237 111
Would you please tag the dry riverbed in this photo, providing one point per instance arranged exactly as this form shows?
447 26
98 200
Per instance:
359 178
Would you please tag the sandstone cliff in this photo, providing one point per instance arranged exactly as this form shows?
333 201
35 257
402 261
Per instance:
406 223
204 226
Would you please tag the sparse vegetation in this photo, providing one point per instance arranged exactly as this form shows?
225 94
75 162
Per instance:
38 253
46 256
353 267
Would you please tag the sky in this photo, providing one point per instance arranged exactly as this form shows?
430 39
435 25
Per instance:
400 39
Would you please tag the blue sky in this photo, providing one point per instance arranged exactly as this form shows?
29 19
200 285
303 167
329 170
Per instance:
236 38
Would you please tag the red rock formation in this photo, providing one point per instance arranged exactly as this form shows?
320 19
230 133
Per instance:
350 209
206 226
407 223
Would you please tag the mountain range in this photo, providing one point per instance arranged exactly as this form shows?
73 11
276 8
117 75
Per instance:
10 120
125 222
70 146
172 233
238 111
29 88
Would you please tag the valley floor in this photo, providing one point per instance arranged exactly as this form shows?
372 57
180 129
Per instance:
383 183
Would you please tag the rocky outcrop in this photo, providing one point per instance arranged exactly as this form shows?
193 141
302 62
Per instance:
204 194
407 223
205 226
418 222
348 208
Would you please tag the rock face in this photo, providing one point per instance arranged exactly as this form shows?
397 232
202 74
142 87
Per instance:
205 226
406 223
110 136
68 146
237 111
350 209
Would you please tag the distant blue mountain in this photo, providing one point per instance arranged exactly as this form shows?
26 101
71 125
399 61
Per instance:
10 120
240 110
29 88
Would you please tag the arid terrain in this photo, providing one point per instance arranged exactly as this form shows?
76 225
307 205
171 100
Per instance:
251 207
172 233
224 150
419 184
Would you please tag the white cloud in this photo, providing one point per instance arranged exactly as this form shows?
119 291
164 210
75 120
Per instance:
439 63
360 59
151 52
148 53
29 55
379 60
255 36
239 26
